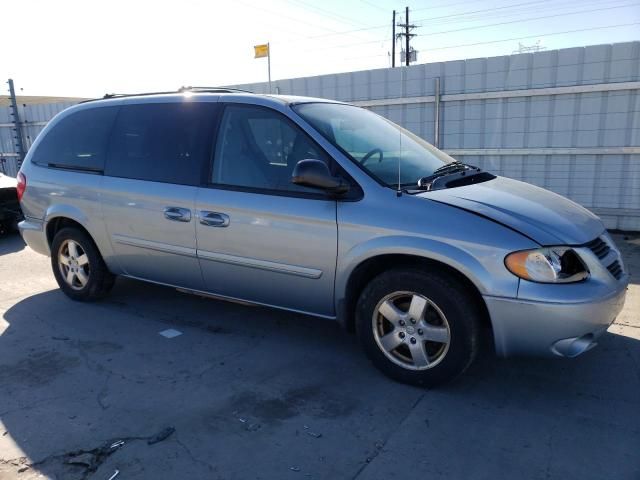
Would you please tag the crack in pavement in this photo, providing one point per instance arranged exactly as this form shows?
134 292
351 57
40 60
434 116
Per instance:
369 460
88 461
192 456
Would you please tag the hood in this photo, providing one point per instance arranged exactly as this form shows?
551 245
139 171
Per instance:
541 215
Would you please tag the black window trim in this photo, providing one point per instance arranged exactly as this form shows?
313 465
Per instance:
355 192
75 168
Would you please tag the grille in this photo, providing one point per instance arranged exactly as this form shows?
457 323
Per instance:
599 247
615 269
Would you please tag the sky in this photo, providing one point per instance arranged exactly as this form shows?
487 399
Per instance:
91 47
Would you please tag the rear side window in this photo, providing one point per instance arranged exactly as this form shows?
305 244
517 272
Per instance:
162 142
78 141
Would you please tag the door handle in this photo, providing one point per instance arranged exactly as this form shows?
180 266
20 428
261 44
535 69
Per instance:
214 219
177 214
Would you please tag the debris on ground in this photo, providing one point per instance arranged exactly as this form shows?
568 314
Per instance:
294 469
311 433
161 435
116 445
253 427
170 333
115 474
86 458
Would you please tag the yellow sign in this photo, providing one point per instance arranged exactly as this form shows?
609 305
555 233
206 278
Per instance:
261 50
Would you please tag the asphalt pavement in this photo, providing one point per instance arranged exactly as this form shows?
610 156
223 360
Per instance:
88 390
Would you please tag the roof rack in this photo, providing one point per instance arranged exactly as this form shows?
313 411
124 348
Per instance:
180 90
212 90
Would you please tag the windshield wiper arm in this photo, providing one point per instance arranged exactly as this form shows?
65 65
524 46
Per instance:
452 168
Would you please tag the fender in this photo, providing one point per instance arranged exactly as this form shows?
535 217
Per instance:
461 257
94 229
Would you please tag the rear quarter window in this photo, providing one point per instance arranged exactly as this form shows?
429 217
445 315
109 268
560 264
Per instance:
78 141
162 142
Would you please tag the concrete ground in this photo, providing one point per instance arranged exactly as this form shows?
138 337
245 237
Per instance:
257 393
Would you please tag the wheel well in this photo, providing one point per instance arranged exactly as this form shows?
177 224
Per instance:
372 267
58 223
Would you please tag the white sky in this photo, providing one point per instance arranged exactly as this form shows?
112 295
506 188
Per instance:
90 47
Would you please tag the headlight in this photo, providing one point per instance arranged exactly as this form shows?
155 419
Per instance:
547 265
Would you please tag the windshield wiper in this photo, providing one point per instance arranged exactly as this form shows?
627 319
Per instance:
453 169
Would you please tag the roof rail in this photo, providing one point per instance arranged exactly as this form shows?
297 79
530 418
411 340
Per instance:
212 90
180 90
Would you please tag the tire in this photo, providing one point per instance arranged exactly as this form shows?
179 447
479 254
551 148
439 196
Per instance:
424 349
89 277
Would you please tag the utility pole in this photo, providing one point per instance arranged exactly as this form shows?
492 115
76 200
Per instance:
407 29
393 41
16 122
406 34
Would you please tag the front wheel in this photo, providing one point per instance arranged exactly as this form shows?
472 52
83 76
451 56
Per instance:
78 266
418 327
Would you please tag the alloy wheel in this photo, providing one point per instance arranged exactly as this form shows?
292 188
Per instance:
73 263
411 330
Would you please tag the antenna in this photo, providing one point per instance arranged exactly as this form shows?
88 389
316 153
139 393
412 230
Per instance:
399 190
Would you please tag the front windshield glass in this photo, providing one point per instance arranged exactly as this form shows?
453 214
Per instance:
386 150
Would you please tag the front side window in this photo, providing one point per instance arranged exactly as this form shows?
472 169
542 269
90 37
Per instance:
78 141
162 142
387 151
259 148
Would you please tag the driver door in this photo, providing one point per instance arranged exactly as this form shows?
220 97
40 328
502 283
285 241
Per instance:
260 237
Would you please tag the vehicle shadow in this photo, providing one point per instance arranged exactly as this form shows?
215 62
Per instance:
77 377
11 242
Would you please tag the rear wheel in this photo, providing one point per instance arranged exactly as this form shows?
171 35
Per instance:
78 266
418 327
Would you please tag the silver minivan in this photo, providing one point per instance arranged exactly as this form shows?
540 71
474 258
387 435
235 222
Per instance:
322 208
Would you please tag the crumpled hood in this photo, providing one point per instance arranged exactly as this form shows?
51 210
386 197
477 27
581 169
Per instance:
544 216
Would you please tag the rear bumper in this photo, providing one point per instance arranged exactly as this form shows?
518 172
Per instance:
522 327
33 234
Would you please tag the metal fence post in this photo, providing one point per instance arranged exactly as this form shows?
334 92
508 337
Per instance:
17 126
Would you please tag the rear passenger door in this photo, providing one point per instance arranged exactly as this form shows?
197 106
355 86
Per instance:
260 237
156 159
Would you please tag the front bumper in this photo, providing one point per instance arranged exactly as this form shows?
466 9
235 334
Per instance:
525 327
33 234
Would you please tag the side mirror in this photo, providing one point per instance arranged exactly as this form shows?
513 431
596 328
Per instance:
315 174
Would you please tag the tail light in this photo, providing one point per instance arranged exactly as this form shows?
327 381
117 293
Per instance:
22 185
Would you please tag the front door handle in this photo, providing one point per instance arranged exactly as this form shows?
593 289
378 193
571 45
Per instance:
214 219
177 214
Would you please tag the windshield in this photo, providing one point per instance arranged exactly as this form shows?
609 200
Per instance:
386 150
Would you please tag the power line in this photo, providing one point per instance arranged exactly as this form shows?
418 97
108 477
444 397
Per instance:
539 35
484 10
338 17
371 4
532 19
369 42
550 34
558 6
